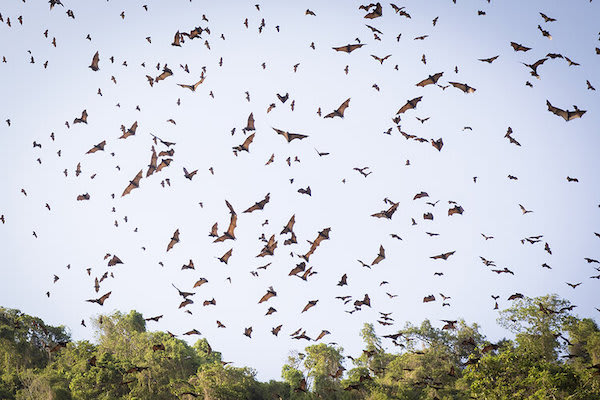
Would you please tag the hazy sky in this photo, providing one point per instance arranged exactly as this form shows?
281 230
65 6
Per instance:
38 100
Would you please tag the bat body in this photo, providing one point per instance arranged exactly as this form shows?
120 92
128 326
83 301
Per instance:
519 47
380 257
100 300
194 86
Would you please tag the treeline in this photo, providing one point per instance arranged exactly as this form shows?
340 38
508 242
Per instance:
555 355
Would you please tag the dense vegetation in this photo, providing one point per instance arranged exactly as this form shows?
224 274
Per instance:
555 355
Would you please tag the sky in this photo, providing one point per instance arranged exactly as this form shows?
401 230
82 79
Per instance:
39 99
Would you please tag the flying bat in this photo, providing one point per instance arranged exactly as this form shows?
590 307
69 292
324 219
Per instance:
194 86
164 75
381 59
340 111
410 104
83 118
308 305
380 257
114 261
94 64
515 296
269 248
430 80
99 146
489 60
290 136
163 164
153 163
250 123
225 257
419 195
260 204
387 213
443 256
349 48
134 184
100 300
438 144
189 175
519 47
429 298
246 145
566 114
463 86
455 210
288 228
323 235
174 240
200 282
270 293
229 234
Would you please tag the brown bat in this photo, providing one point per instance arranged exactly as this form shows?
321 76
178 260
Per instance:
155 319
534 67
288 228
489 60
420 195
270 293
200 282
380 59
246 145
323 235
211 302
349 48
164 75
547 18
99 146
380 257
443 256
429 298
193 332
250 123
430 80
308 305
376 12
129 132
410 104
305 191
456 210
428 216
343 280
83 118
519 47
275 330
134 184
438 144
340 111
524 210
94 64
260 204
269 248
290 136
321 335
174 240
248 332
190 265
163 163
194 86
515 296
153 163
463 86
566 114
387 213
229 234
100 300
114 261
225 257
297 269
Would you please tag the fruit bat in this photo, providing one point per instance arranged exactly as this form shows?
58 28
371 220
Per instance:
387 213
456 210
134 184
323 235
534 66
200 282
174 240
463 86
270 293
189 175
419 195
95 60
99 146
225 257
430 80
516 296
321 335
429 298
289 226
308 305
163 163
566 114
269 248
190 265
248 332
155 319
343 280
305 191
291 240
290 136
114 261
129 132
229 234
489 60
260 204
194 86
246 145
349 48
546 18
410 104
153 162
438 144
100 300
83 118
340 111
155 138
193 332
519 47
443 256
164 75
428 216
380 257
211 302
380 59
376 12
297 269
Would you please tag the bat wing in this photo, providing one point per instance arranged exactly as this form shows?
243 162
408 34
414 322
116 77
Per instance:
410 104
557 111
381 214
102 299
289 226
292 136
95 60
134 184
430 80
164 163
232 225
153 162
343 107
380 257
250 125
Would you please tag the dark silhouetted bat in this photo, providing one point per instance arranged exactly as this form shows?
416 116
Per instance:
155 319
246 145
410 104
83 118
134 184
99 146
174 240
547 18
95 60
567 115
128 132
515 296
114 261
387 213
270 293
489 60
290 136
163 164
519 47
545 33
534 67
305 191
438 144
524 210
323 235
248 332
380 59
260 204
340 111
463 86
195 85
443 256
380 257
428 216
430 80
100 300
153 162
429 298
348 48
225 257
420 195
343 280
376 12
193 332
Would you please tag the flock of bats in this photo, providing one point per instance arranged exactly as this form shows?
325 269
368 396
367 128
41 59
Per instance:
162 152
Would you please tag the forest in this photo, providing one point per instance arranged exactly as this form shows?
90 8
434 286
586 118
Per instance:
554 355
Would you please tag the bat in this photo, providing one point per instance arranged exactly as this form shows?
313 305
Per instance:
250 123
200 282
410 104
248 332
463 86
246 145
308 12
515 296
211 302
305 191
438 144
420 195
308 305
163 163
340 111
489 60
349 48
174 240
534 66
194 86
380 257
387 213
100 300
193 332
270 293
168 144
134 184
449 324
421 37
269 248
129 132
94 64
260 204
155 319
456 210
323 235
343 280
288 228
189 175
428 216
283 99
114 261
152 165
524 210
321 335
443 256
547 248
519 47
377 12
164 75
429 298
547 18
430 80
380 59
83 118
566 114
229 234
545 33
190 265
99 146
290 136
